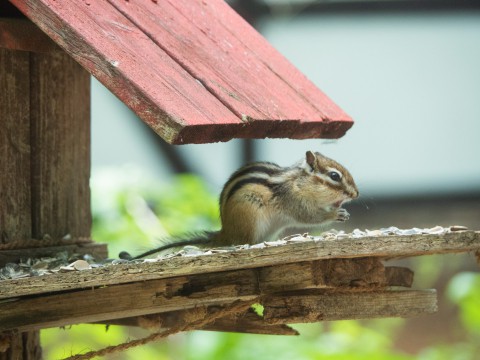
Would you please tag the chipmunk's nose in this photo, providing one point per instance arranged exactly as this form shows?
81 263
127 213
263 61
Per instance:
352 193
356 194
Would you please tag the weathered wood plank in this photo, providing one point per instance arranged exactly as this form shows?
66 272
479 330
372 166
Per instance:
135 299
279 309
60 117
180 293
15 214
314 306
382 246
191 34
22 34
333 273
248 322
255 45
199 90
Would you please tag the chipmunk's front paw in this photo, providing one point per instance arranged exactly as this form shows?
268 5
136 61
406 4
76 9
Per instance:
342 215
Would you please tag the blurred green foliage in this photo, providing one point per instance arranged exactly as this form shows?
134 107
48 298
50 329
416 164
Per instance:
131 214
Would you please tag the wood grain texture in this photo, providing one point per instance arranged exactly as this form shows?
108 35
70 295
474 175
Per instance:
332 273
45 147
248 322
44 140
60 146
220 55
15 214
229 24
188 73
382 247
314 307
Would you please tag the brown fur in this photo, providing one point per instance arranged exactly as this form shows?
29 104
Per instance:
257 209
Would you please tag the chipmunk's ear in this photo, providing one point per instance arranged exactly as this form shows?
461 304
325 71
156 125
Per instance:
311 160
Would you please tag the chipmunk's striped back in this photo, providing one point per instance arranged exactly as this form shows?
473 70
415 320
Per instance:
255 173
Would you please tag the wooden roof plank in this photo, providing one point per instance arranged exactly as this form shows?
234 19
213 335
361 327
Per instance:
259 85
124 59
254 43
194 71
205 50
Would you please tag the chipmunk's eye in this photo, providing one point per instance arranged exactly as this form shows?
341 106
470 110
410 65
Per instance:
335 176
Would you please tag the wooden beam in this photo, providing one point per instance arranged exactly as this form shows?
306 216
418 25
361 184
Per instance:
293 252
135 299
333 273
333 305
303 307
248 322
179 293
45 137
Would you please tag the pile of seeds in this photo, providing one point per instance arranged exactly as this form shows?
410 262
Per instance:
60 262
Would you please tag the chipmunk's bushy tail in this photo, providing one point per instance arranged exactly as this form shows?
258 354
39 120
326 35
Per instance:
203 238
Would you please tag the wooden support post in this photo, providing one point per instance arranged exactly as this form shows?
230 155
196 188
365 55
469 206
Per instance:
44 147
44 161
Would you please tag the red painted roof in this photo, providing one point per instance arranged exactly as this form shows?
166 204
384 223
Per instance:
193 70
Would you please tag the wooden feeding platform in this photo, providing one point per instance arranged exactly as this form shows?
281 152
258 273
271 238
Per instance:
195 72
296 280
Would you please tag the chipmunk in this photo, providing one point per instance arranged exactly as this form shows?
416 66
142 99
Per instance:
262 199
